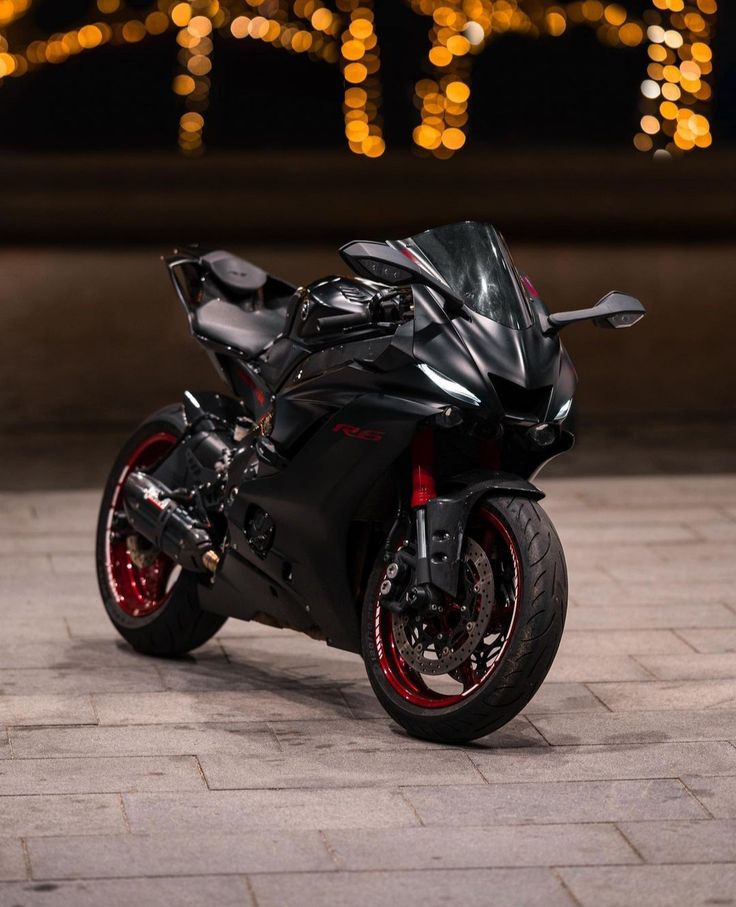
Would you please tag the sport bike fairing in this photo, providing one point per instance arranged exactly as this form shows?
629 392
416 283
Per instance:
500 326
476 352
341 419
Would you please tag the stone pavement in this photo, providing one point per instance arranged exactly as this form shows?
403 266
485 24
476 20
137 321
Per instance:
262 771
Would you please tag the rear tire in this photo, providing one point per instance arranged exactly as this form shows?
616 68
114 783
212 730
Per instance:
156 609
508 683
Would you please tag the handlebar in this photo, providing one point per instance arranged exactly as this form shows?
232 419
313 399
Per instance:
382 307
351 319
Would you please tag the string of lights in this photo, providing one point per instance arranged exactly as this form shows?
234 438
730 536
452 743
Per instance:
196 19
677 91
360 65
678 33
674 94
344 36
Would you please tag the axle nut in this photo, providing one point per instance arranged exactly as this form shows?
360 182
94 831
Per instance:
211 560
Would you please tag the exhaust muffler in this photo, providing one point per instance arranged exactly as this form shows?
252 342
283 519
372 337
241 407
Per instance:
152 513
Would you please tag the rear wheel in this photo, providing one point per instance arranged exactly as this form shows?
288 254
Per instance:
151 601
469 667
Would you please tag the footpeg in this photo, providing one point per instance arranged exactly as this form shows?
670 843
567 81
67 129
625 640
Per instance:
268 453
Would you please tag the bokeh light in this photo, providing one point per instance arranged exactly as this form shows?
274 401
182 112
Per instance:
678 35
675 87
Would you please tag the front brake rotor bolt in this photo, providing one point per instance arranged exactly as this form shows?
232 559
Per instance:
385 587
392 571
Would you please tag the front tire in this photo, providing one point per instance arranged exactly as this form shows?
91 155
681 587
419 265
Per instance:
154 607
514 539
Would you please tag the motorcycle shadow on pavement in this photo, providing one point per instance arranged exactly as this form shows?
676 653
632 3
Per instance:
242 665
283 677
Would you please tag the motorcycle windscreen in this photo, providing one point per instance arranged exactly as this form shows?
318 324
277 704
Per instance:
473 260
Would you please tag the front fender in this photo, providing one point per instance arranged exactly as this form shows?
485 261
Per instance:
447 517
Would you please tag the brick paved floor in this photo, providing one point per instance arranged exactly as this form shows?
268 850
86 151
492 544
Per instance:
262 771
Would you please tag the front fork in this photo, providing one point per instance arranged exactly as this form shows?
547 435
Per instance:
440 524
405 567
423 491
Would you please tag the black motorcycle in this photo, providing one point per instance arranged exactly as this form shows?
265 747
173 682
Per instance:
367 479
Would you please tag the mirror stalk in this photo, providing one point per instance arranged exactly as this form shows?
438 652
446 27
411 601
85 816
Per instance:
614 310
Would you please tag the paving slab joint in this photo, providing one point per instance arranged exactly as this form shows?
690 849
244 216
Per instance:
629 842
201 772
334 855
411 806
251 890
697 799
679 635
26 858
568 891
588 687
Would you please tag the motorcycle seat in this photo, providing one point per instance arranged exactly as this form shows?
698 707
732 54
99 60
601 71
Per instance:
237 276
248 330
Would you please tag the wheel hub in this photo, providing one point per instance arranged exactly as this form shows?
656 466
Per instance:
439 644
142 554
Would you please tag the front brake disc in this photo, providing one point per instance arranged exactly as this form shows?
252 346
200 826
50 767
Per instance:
413 638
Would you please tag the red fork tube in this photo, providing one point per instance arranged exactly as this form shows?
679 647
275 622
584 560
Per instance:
422 468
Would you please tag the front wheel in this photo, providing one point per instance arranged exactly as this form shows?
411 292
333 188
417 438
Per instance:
467 669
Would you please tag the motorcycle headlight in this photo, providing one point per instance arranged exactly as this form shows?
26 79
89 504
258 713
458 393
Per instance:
449 386
563 411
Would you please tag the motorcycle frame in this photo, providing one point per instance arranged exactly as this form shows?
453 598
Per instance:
354 427
306 580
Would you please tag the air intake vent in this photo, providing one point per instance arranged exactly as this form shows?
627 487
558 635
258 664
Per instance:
517 400
355 294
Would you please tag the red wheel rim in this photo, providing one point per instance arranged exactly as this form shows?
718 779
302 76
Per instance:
138 591
409 683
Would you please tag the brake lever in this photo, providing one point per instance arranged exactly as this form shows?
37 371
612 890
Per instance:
378 307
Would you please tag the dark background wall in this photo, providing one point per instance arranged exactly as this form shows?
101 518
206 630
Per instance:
95 335
92 331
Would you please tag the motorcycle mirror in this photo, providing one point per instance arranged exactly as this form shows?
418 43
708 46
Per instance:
378 261
614 310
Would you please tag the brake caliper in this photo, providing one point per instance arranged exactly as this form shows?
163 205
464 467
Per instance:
437 640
